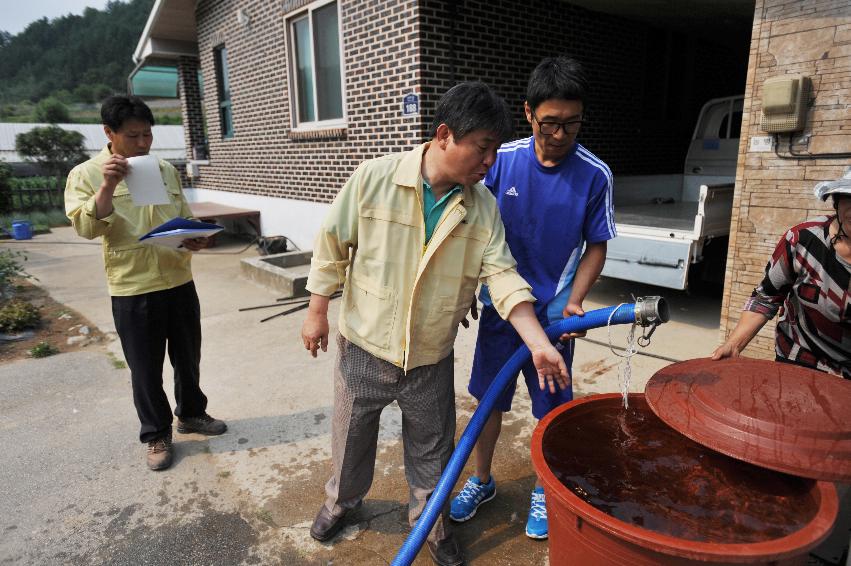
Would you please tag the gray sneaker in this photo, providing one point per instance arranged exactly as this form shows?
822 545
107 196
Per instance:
160 453
203 424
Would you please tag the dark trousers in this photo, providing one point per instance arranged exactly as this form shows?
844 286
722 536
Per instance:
146 324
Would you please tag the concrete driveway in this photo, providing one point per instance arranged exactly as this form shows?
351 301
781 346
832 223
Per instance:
74 488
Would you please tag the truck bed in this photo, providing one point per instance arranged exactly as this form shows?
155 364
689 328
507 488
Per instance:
656 243
674 216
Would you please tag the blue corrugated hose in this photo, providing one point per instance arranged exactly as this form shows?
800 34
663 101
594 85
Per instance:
624 314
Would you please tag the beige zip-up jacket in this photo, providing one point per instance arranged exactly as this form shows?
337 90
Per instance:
402 300
132 267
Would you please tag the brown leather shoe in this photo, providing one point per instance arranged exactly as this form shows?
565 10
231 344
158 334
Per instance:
445 552
326 525
160 453
204 424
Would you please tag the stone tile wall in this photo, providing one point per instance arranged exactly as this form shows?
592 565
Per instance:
772 194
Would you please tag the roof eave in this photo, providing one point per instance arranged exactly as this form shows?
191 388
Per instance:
169 32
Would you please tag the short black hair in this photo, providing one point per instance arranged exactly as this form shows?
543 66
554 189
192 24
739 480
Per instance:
471 106
836 197
116 110
556 77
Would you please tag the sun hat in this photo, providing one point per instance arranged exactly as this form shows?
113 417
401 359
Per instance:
840 186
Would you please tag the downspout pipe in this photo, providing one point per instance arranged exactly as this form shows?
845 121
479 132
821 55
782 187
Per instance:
646 311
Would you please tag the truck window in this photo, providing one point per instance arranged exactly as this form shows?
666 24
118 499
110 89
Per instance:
716 120
735 127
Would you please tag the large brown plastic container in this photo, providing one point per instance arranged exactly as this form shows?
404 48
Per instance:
582 535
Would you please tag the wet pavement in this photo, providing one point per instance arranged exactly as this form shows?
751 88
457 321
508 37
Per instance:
74 488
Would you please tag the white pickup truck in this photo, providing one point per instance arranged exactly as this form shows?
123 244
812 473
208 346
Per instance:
668 223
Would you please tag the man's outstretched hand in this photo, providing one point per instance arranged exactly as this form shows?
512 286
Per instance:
551 368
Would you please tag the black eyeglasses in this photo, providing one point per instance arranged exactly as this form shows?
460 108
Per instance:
550 128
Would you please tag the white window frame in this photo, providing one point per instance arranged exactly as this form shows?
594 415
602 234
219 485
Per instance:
307 11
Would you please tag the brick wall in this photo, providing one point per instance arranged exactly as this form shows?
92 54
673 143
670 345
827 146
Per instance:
190 104
264 157
180 165
647 84
772 194
393 47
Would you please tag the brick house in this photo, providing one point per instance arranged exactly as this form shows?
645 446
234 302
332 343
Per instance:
278 125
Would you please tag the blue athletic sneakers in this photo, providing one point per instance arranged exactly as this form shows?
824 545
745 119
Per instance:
536 525
475 493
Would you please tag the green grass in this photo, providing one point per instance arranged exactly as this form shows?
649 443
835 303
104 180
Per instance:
41 221
43 210
17 315
266 516
81 113
85 114
168 119
116 362
56 217
35 182
42 350
17 112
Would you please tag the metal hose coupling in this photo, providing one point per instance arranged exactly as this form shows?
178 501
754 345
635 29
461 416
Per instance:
651 311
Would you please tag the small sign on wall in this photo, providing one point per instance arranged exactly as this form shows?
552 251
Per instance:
411 104
761 144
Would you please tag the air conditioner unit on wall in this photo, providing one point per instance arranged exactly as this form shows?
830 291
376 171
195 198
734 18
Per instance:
784 103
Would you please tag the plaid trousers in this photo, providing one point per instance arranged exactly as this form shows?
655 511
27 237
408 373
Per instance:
363 386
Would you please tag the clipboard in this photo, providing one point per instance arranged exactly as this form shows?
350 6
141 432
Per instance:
172 233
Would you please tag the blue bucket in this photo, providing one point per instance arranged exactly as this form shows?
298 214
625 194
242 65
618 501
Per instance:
22 230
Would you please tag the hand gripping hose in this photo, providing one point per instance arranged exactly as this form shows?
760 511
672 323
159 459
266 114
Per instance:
646 311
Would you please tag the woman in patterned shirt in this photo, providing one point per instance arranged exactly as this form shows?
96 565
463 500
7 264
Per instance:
809 276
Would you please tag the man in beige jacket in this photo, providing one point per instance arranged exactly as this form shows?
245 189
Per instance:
154 302
411 235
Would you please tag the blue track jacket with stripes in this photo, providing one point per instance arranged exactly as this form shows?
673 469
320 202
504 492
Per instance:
550 213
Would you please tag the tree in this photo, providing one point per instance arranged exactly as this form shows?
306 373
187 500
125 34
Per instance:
103 91
52 111
62 53
55 149
85 93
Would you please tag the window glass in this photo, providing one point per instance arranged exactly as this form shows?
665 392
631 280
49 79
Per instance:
304 70
713 124
736 126
328 84
225 81
223 87
315 65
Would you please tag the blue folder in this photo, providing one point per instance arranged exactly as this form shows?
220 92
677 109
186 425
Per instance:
172 233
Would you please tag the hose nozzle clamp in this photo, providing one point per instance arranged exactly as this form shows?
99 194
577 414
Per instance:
651 311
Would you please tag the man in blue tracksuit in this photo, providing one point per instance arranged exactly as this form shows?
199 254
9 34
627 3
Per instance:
555 198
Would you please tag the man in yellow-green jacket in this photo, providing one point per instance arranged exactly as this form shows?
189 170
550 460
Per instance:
154 302
410 236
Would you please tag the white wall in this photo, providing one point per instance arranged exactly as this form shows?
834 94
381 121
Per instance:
296 219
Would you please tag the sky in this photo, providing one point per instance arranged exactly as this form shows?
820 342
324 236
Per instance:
15 15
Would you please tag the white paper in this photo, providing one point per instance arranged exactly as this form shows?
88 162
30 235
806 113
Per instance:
145 181
174 238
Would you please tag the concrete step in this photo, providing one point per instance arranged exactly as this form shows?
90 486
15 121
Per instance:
285 273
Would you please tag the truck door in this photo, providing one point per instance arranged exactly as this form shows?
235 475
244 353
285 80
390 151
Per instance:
714 148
